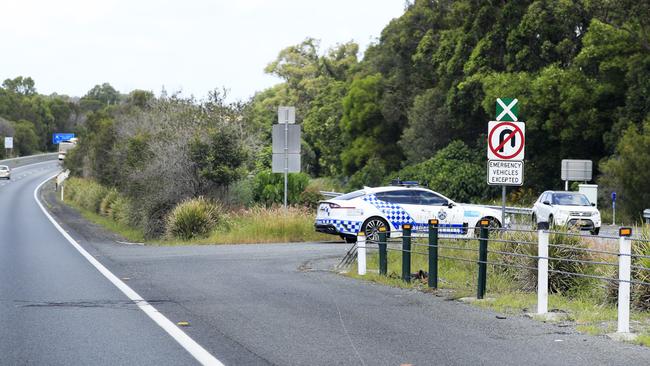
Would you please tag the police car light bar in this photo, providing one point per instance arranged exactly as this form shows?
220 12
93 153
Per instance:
404 183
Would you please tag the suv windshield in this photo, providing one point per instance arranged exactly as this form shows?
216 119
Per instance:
351 195
4 167
570 199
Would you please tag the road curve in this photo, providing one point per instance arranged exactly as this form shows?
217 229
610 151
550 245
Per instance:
55 308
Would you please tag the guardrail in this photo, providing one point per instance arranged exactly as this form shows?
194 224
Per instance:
528 250
25 160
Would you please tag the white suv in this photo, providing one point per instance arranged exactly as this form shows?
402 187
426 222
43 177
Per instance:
5 172
370 208
572 209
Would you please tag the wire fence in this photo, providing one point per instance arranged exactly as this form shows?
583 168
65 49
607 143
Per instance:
543 259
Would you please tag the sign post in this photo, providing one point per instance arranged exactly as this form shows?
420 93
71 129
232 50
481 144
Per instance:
286 146
9 145
506 142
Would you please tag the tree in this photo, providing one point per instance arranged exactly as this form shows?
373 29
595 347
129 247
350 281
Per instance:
628 172
25 138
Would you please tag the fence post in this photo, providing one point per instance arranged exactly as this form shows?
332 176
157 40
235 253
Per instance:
482 259
361 253
542 267
406 252
383 258
433 253
624 269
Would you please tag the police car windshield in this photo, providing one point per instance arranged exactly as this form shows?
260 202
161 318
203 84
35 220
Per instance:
4 167
351 195
570 199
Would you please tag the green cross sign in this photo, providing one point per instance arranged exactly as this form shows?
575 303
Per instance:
507 109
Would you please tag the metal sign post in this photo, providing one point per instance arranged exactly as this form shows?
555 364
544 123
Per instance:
286 146
506 142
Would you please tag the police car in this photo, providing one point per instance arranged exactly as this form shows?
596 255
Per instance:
392 206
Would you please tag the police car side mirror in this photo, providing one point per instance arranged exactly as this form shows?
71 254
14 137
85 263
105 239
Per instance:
450 204
546 203
593 204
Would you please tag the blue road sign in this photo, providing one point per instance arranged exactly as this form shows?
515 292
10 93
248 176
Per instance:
58 137
613 196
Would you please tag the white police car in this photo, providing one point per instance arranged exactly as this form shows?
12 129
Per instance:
369 209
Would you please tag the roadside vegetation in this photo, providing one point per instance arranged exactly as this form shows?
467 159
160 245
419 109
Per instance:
193 221
589 304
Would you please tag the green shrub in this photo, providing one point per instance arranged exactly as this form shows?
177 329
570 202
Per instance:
121 211
268 188
106 206
192 218
85 193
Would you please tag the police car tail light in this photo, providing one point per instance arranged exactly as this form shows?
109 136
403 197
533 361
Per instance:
334 205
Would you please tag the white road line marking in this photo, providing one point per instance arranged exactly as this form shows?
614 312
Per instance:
190 345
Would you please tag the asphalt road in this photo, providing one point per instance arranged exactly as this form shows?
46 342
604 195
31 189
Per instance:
247 305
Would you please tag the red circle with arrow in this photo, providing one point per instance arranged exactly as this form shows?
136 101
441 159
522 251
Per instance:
511 135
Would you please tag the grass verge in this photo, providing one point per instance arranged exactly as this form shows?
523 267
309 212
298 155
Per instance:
251 226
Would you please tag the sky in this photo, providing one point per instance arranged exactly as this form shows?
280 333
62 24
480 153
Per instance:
192 46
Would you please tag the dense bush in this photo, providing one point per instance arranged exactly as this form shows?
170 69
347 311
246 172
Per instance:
455 171
193 218
268 188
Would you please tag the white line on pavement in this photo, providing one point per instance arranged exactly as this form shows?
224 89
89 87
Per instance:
195 349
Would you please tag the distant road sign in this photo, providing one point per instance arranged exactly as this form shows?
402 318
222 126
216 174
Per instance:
286 114
506 140
576 170
58 137
505 173
9 142
507 109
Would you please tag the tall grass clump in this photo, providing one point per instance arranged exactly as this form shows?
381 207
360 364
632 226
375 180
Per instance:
106 206
562 247
268 225
193 218
85 193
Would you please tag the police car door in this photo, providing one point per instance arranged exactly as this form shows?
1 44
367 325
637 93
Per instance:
438 206
401 207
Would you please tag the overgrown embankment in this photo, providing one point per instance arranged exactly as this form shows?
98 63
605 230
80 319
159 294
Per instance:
192 221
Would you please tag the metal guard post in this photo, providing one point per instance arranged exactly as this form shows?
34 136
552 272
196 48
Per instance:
406 252
433 253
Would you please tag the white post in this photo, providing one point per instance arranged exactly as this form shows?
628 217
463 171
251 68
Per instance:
62 188
542 272
624 263
286 160
361 253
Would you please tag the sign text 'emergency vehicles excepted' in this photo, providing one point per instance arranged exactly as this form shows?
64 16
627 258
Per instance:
505 173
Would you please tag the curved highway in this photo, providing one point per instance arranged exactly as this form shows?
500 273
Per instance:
55 308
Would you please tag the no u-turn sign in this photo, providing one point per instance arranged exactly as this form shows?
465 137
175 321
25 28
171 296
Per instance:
506 140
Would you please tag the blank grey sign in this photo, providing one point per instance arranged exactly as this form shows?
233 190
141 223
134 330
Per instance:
293 139
576 170
278 163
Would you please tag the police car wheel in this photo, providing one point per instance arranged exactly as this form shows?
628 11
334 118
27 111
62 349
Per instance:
371 227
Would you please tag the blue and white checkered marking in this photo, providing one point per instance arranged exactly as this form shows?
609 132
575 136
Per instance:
395 214
342 226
